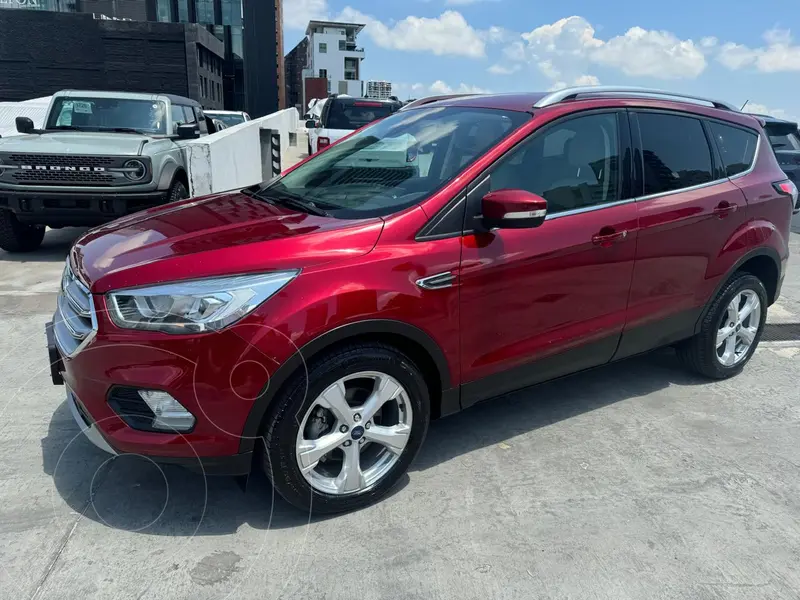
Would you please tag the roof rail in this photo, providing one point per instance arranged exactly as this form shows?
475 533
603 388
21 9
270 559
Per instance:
632 92
431 99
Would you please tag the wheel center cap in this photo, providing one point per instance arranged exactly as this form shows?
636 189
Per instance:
357 432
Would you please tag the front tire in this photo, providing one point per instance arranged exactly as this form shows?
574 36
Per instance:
344 439
177 191
730 331
19 237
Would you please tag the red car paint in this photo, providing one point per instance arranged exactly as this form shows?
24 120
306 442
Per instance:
519 297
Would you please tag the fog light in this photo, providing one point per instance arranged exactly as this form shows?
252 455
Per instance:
170 415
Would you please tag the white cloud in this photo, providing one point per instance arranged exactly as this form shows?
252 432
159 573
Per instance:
297 13
565 49
447 34
439 87
779 55
503 69
583 80
708 42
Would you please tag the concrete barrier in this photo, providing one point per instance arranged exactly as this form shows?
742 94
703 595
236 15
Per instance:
238 156
35 109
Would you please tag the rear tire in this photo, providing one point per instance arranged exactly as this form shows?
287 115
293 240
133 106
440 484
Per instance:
298 419
177 191
726 341
19 237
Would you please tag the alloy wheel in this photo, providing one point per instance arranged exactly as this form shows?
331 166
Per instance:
354 433
739 327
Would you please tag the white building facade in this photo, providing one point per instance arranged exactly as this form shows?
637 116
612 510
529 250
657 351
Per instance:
382 90
335 55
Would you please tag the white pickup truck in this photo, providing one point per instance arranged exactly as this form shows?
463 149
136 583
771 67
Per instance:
341 115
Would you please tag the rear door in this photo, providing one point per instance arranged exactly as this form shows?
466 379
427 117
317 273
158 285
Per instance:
688 210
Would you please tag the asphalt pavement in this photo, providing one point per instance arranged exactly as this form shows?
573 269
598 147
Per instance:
632 481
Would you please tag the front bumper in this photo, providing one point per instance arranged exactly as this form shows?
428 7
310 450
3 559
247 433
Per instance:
88 377
76 208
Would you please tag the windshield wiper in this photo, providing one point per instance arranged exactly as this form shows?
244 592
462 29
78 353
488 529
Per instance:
64 127
122 130
287 199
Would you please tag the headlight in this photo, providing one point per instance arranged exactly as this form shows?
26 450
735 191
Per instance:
135 170
194 306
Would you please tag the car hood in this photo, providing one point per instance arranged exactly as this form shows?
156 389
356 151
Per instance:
224 234
76 142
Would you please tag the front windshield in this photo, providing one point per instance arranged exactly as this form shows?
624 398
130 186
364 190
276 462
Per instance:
228 120
397 162
108 114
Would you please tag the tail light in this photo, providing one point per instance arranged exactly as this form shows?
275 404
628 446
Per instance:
323 142
788 188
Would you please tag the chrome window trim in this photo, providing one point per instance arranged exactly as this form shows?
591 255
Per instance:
585 209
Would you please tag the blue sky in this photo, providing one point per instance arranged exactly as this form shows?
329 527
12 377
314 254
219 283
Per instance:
734 51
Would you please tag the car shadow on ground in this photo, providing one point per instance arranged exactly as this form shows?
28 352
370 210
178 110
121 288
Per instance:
131 493
54 248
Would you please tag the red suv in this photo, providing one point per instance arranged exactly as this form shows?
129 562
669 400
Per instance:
459 249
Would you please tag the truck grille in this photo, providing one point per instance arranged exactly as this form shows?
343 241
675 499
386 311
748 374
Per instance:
62 160
74 323
62 177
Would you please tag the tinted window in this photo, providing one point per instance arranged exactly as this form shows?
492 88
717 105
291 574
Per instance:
397 162
675 152
737 147
572 165
787 141
352 115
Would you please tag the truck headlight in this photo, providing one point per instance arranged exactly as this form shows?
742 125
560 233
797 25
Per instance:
135 170
194 306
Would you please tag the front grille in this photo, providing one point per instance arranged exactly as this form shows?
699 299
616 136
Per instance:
74 323
63 177
62 160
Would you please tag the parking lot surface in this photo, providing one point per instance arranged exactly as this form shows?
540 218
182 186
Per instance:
631 481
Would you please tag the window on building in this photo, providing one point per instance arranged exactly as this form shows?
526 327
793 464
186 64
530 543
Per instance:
737 147
232 12
323 73
675 152
200 55
342 44
323 48
205 11
183 11
164 11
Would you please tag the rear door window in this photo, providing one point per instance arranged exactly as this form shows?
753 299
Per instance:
737 147
354 115
676 154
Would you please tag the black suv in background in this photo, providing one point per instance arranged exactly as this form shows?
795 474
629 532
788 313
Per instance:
785 140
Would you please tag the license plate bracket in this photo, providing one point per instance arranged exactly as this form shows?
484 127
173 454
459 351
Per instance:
54 356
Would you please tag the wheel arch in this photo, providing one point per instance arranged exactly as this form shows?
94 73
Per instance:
410 340
764 263
171 171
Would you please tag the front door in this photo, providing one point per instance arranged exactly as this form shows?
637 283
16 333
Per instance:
544 302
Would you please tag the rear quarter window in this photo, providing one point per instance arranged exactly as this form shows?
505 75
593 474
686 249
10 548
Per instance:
737 147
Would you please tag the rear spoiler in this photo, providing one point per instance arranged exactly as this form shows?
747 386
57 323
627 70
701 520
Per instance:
431 99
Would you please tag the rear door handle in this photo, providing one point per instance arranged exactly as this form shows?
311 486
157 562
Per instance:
725 208
608 236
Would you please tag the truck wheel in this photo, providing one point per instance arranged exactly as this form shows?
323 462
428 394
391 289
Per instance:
177 191
18 237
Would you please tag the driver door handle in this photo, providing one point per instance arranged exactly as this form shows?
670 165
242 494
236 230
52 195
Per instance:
607 236
725 208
